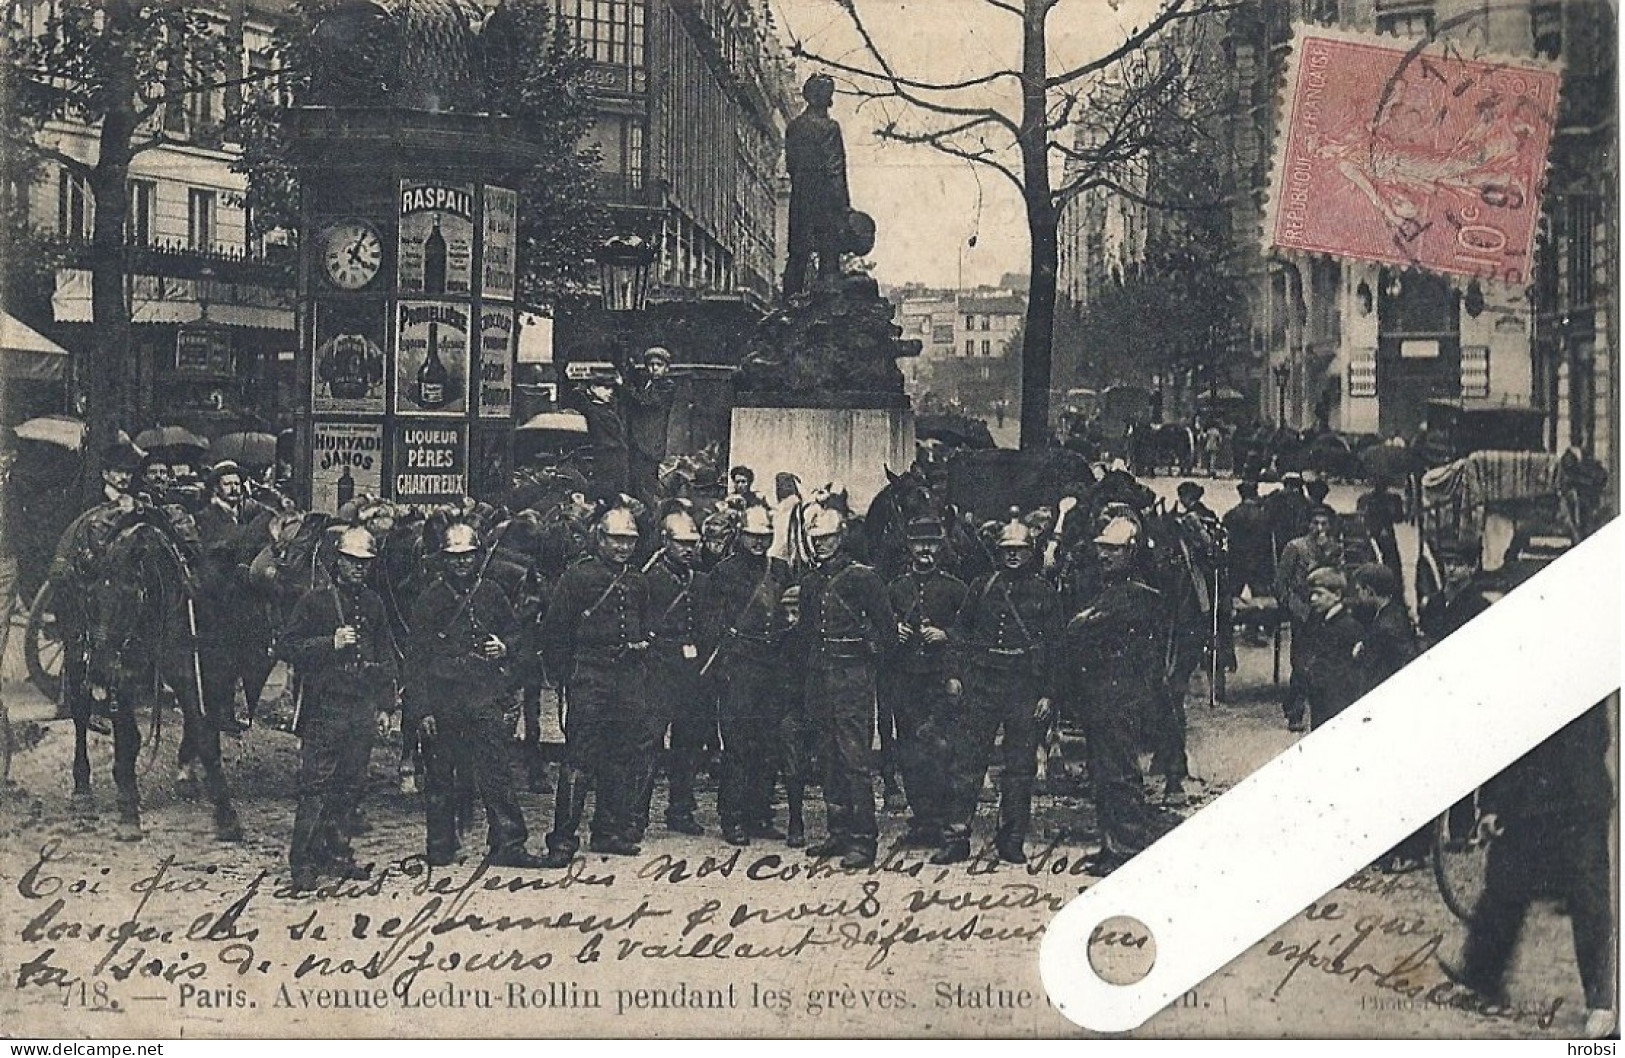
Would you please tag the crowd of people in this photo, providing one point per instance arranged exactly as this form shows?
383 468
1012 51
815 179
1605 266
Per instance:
746 634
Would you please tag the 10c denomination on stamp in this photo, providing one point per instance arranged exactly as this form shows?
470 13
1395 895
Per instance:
1416 156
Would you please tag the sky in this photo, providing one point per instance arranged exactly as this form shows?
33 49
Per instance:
927 205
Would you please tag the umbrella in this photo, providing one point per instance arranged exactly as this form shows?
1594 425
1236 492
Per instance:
171 437
60 430
250 449
566 421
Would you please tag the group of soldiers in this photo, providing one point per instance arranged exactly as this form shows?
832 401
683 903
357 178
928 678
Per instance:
673 643
663 659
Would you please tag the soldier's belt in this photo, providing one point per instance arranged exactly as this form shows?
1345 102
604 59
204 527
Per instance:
750 637
846 649
1008 652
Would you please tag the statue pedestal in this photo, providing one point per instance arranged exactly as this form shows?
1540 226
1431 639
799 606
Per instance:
854 446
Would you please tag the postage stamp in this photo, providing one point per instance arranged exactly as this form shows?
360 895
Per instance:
1421 156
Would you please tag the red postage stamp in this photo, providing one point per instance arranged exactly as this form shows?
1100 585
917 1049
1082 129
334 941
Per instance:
1418 156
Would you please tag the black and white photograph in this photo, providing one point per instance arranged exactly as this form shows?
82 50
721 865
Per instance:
892 519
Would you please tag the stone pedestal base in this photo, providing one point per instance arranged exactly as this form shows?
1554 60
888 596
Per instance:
851 445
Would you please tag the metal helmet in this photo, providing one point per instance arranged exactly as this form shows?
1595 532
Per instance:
925 529
757 522
356 542
679 527
823 521
618 521
1119 532
461 538
1015 533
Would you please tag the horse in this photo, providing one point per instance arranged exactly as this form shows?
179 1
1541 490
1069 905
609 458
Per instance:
141 637
904 498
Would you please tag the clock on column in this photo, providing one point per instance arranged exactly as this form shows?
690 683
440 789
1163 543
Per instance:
352 253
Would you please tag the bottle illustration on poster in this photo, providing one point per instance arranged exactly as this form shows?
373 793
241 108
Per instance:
431 358
435 245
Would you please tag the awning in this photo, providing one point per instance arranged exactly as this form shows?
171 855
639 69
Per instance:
27 354
165 299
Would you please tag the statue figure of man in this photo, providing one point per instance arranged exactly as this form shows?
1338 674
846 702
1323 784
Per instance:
819 202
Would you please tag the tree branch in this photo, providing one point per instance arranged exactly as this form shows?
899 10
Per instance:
66 161
985 156
1173 11
1002 6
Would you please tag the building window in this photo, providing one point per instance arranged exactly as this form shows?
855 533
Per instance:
987 347
200 219
73 209
138 223
634 156
609 31
987 323
1546 28
970 323
970 347
1406 20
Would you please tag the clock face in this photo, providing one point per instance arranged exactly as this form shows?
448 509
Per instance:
352 254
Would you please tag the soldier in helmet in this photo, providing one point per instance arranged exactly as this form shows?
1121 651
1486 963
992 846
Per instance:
339 639
915 686
676 699
1114 643
845 625
462 625
1003 639
717 534
596 634
747 628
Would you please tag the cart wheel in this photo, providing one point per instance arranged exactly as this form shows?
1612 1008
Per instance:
42 645
1460 859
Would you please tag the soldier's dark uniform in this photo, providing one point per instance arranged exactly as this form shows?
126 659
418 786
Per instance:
598 614
1119 654
1002 641
747 628
466 694
342 690
677 598
914 685
234 629
846 625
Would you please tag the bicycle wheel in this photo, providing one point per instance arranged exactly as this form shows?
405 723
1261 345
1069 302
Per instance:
1460 859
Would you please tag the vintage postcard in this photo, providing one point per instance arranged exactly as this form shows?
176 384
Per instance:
981 449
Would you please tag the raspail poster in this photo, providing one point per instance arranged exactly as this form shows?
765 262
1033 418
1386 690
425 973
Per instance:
430 462
498 254
347 461
435 253
495 386
431 358
348 366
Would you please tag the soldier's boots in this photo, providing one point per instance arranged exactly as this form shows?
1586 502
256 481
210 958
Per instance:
1015 815
569 804
736 835
765 829
953 850
519 858
921 834
830 846
859 857
796 827
614 845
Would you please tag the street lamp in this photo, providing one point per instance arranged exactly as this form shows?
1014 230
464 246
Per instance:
1283 374
624 262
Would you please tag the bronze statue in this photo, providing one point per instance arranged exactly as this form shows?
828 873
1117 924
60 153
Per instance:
819 201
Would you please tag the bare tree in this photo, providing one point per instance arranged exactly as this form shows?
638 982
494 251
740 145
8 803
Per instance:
1095 125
